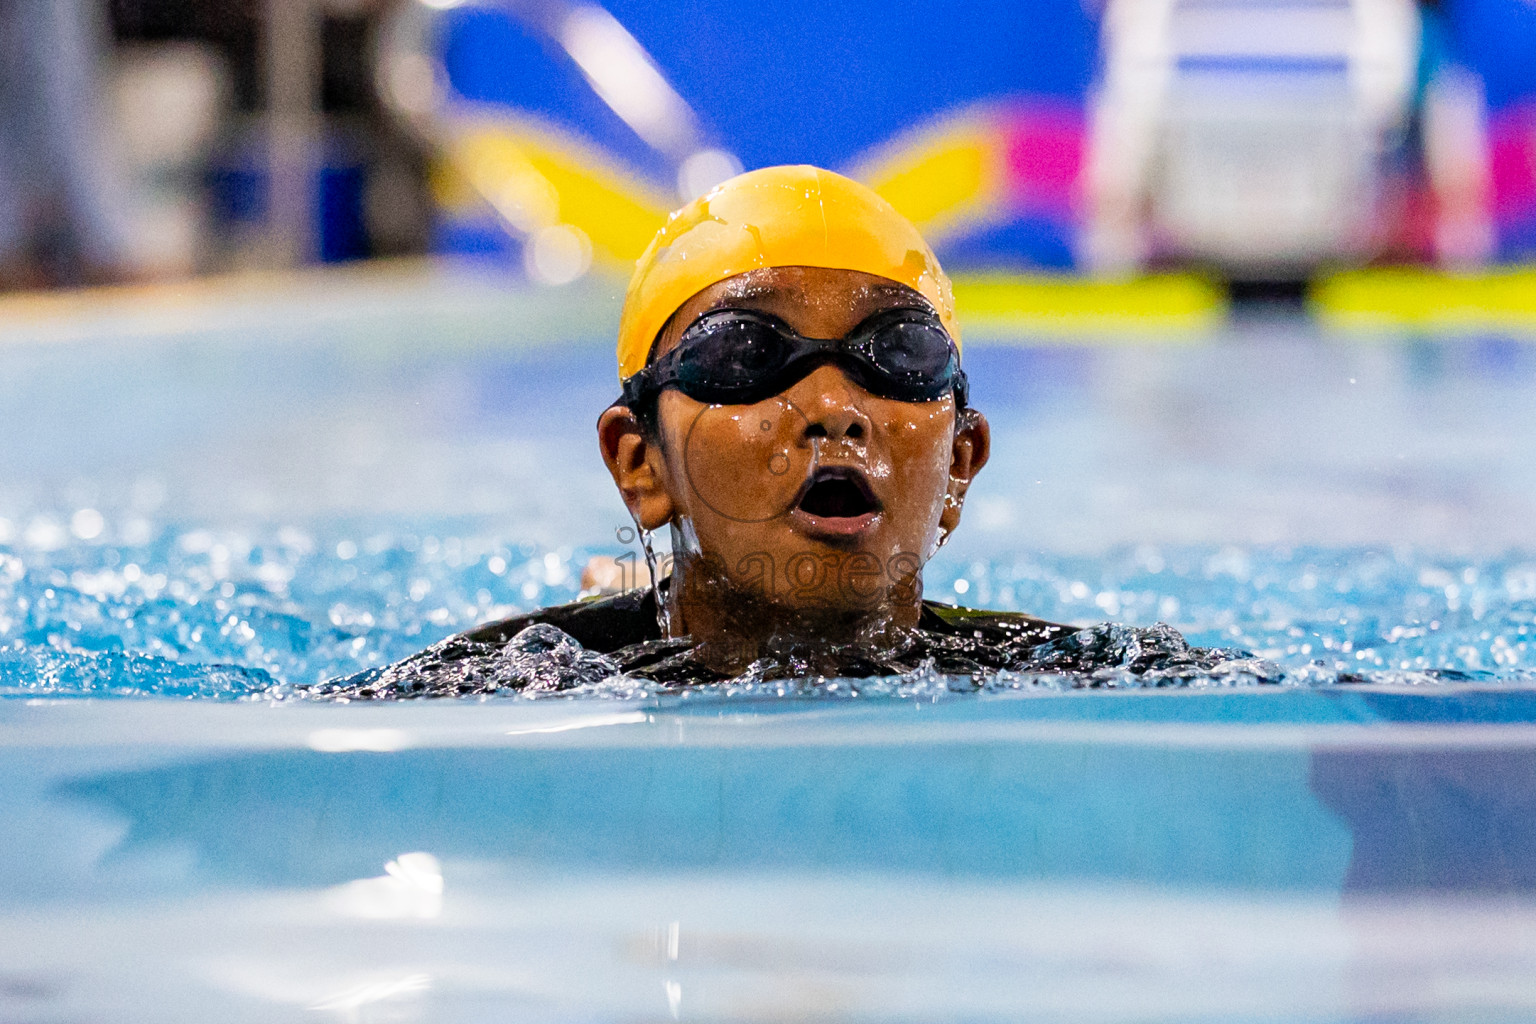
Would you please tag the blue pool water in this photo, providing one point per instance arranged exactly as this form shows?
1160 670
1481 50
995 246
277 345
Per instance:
207 498
203 613
210 496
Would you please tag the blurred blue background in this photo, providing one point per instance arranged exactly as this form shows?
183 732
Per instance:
783 81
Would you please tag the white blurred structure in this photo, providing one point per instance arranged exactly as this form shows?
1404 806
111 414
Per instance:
1245 134
1456 158
169 101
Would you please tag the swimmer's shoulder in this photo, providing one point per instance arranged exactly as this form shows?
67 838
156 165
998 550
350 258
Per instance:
602 624
989 626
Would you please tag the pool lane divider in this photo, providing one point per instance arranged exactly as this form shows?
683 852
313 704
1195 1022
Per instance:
381 299
385 298
1046 309
1387 302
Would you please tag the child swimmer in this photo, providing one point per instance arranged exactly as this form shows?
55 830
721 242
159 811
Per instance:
794 411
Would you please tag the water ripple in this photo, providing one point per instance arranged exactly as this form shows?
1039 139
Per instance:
189 612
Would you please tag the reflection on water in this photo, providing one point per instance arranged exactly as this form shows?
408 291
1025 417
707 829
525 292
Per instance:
1444 821
410 887
981 811
1438 803
1119 858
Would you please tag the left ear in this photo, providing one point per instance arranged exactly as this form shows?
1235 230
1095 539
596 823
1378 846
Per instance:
970 451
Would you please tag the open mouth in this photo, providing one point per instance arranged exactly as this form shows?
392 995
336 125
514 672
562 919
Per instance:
836 493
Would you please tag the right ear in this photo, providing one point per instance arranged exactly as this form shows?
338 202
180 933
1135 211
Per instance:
636 467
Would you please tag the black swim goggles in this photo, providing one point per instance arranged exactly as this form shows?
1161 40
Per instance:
741 356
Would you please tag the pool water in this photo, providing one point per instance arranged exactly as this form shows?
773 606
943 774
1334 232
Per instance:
232 493
204 500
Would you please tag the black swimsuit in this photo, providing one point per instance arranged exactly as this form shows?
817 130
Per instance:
609 624
566 646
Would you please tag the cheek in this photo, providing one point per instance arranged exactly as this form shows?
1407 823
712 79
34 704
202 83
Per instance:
920 448
742 464
919 459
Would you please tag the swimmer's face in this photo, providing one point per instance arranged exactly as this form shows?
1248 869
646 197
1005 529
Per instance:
824 497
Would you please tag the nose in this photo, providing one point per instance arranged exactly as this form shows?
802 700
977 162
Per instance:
833 405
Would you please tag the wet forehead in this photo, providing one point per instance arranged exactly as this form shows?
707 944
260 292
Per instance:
845 289
816 302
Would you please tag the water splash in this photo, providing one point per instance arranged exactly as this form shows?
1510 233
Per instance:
27 671
543 661
540 659
184 611
653 573
225 613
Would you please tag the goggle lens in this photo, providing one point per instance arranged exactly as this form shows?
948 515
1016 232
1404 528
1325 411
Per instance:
729 351
914 354
735 356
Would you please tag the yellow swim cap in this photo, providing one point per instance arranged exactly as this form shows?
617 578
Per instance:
774 217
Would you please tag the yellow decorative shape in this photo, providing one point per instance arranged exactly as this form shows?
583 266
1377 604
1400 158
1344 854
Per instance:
943 183
795 216
535 177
